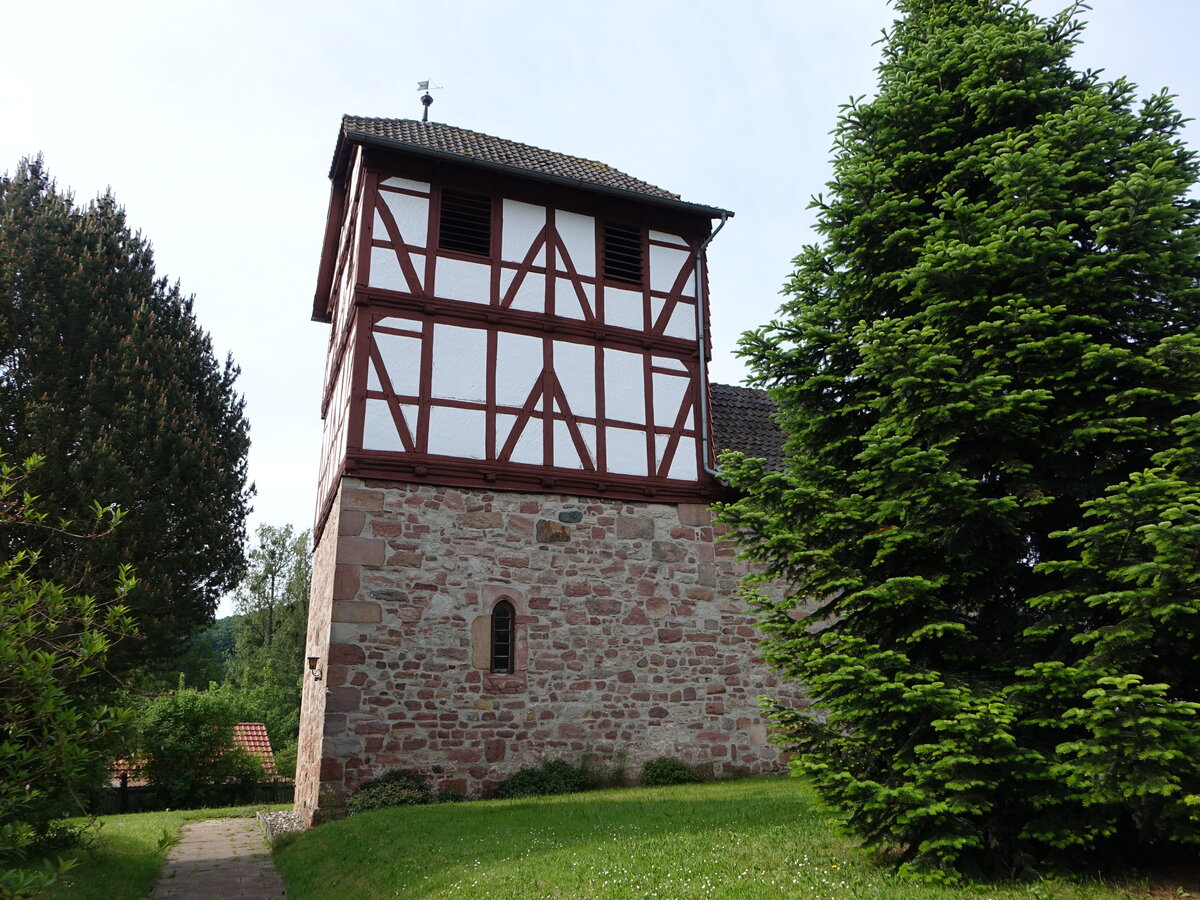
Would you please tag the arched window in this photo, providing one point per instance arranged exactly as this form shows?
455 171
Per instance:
503 618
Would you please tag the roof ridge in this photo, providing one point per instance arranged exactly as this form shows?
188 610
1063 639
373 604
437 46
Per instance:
441 138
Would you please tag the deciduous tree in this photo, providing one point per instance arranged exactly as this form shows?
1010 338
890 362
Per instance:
989 371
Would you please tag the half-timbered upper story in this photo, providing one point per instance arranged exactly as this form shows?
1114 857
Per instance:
510 318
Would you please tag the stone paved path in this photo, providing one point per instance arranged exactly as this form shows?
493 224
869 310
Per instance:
218 859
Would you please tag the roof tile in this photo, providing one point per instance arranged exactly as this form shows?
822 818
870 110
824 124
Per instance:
474 145
744 419
252 736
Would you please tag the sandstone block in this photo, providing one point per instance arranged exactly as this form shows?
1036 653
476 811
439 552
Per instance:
343 699
360 551
657 607
635 617
694 514
714 688
481 520
406 559
355 611
345 655
351 522
665 551
358 498
632 528
602 606
345 582
549 531
670 635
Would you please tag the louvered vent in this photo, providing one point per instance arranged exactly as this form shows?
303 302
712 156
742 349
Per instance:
623 254
466 223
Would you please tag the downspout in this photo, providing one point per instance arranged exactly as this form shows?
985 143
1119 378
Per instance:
702 337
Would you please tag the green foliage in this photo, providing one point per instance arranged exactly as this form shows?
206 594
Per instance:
754 839
106 373
556 776
666 771
187 747
53 642
397 787
266 669
989 375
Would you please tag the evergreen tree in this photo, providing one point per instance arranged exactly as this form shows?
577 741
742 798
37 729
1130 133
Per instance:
988 374
105 372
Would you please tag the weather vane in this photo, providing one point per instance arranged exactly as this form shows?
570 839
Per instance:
426 98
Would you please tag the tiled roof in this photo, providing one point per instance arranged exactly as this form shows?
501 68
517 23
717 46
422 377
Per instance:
253 737
472 145
744 419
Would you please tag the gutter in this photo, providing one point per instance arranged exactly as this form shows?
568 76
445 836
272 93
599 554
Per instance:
702 339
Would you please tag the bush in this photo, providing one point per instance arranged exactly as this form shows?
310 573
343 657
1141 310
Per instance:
187 744
399 787
551 777
664 771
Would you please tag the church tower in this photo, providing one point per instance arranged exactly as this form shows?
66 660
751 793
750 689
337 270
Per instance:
514 557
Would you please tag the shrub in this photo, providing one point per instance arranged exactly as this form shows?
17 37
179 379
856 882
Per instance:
398 787
187 743
664 771
551 777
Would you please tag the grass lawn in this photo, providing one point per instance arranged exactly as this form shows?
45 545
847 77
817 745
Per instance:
124 856
761 838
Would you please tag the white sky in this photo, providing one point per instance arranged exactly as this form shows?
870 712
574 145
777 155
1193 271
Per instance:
215 122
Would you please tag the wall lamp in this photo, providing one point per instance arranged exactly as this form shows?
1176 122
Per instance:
312 667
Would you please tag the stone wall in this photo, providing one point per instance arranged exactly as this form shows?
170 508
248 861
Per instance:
630 637
311 750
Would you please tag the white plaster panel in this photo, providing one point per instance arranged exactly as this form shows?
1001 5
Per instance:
458 279
459 363
623 309
373 383
588 433
668 238
624 388
518 366
626 450
683 322
407 183
531 294
521 225
379 231
566 456
456 432
411 215
683 466
504 424
665 264
386 272
402 359
566 300
656 308
669 392
578 235
397 322
660 449
575 366
529 444
379 429
669 362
